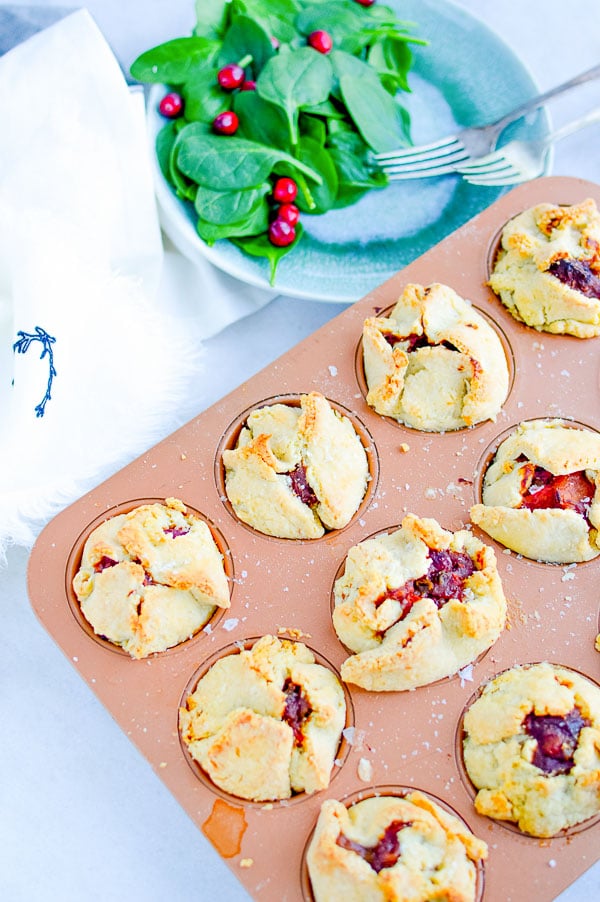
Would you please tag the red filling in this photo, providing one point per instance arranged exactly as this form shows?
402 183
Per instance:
385 853
445 579
301 487
557 739
104 563
414 342
175 531
297 708
541 489
576 274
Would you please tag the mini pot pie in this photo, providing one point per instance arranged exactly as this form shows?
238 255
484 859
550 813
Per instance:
547 272
151 578
395 849
531 747
434 363
540 494
296 471
267 722
416 605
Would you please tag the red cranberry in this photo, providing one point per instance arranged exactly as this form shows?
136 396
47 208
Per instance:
386 851
285 190
230 77
281 233
297 708
300 484
365 2
248 85
226 123
578 275
171 106
104 563
320 41
289 213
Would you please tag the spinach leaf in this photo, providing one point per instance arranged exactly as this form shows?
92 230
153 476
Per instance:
222 207
184 187
276 16
211 17
318 158
226 162
314 127
261 121
203 97
392 59
345 22
380 120
245 37
326 109
302 77
260 246
254 224
165 140
173 62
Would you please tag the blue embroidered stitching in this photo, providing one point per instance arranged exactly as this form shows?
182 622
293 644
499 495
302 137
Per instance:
22 346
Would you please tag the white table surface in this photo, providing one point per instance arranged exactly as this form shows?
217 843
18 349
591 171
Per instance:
82 815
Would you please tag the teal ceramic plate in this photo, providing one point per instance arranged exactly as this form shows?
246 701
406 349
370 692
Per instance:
465 76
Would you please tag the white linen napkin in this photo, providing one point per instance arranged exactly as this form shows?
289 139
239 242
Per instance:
100 329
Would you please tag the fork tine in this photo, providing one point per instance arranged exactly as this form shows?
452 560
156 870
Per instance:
435 166
482 164
431 172
439 159
510 177
424 151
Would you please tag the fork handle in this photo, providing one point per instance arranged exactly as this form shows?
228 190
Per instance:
541 99
574 126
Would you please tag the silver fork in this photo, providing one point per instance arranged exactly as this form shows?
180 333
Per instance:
443 156
520 161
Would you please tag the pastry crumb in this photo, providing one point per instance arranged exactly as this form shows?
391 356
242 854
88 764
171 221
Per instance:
246 862
293 632
163 764
404 447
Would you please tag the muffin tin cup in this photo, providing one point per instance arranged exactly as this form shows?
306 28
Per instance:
361 378
397 792
283 587
471 789
342 750
74 562
231 436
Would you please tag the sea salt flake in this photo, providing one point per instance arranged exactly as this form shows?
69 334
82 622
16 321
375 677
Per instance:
466 675
565 373
365 770
333 371
348 734
230 624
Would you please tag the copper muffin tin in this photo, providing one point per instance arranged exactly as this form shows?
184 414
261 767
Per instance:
279 585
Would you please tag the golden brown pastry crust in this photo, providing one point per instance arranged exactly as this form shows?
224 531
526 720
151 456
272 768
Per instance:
531 243
548 534
429 643
151 578
460 378
278 439
498 752
233 723
437 861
